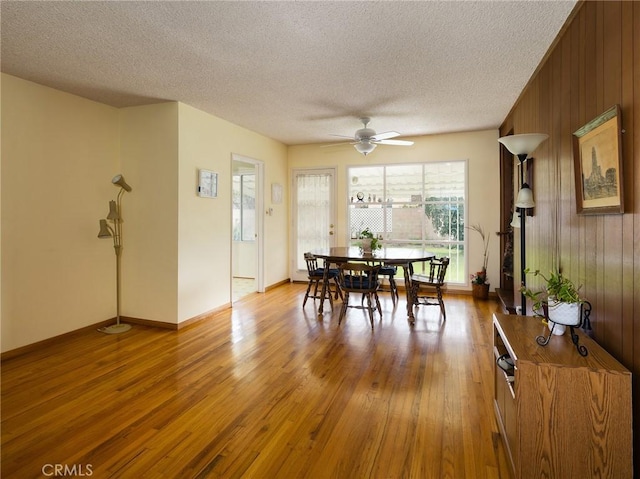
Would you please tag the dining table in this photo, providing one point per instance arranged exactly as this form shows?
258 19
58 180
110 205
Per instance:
387 255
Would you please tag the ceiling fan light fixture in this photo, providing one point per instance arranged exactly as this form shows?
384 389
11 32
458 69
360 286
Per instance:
364 147
366 139
365 133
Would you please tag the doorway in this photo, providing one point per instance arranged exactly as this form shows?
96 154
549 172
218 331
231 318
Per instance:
247 227
313 200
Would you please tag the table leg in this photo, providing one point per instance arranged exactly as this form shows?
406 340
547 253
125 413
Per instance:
325 282
407 286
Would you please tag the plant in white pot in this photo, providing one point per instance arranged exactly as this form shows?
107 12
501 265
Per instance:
368 241
560 299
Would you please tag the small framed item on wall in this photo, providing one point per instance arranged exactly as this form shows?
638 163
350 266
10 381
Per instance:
276 193
598 165
207 184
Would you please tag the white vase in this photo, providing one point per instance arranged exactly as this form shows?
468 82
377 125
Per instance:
567 314
365 243
559 329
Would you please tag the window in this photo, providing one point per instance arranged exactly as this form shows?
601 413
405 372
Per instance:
413 205
244 207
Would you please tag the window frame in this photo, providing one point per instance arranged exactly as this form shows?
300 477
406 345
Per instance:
457 246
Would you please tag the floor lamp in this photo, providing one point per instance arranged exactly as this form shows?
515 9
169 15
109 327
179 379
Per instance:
111 227
522 146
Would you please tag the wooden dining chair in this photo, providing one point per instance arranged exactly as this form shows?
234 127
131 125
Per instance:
426 289
316 277
363 279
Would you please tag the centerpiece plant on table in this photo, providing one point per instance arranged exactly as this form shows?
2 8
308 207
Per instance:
368 242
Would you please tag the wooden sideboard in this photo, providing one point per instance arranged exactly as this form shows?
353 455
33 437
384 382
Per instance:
561 415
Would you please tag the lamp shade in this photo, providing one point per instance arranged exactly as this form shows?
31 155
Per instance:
364 147
119 181
515 220
523 144
105 231
525 197
114 214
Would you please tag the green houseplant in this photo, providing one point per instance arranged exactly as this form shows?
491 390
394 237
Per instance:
369 241
559 302
479 281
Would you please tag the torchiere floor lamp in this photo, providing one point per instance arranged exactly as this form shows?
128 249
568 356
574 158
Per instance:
522 146
112 228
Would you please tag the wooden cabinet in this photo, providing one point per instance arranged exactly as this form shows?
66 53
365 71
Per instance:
561 415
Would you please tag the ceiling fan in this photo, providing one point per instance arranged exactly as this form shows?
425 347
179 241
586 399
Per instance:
366 139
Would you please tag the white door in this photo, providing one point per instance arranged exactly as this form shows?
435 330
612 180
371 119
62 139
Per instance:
247 252
314 215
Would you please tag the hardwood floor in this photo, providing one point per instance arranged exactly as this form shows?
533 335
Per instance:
265 390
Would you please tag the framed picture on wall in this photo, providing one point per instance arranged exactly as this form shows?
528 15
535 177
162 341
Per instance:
276 193
207 184
598 165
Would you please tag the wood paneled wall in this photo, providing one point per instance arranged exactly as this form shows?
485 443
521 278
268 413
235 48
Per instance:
594 65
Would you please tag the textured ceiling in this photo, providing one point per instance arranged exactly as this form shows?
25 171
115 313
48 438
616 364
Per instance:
297 72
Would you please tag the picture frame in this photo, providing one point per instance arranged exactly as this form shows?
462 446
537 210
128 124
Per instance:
598 165
207 184
276 193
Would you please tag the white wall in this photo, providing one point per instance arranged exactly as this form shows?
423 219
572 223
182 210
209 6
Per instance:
481 150
149 157
59 153
205 233
204 223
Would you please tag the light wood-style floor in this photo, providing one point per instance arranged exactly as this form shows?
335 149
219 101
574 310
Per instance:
265 390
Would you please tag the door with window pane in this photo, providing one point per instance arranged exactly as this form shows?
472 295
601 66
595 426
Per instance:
313 215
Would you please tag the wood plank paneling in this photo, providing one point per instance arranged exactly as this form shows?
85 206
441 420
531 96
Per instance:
627 85
632 246
611 252
594 65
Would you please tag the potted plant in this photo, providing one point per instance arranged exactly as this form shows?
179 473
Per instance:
479 281
479 285
559 302
368 241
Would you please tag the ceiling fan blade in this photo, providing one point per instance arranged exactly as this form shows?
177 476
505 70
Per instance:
368 136
342 136
385 136
339 144
394 142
